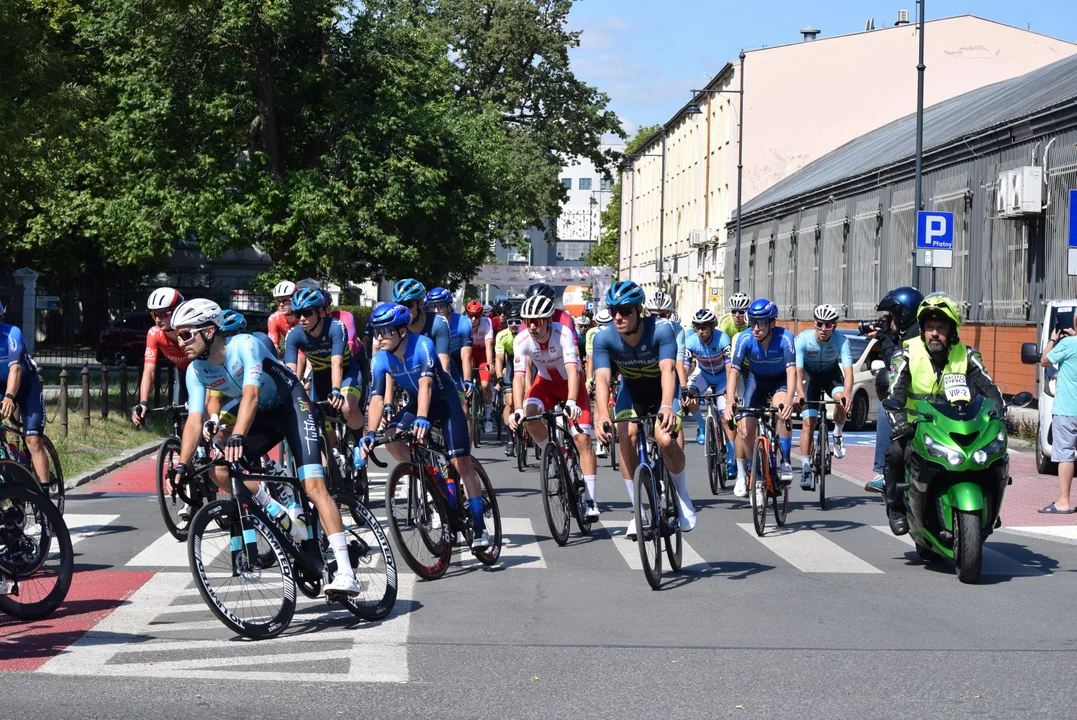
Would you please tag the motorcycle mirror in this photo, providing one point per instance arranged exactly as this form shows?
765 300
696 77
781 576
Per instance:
1021 399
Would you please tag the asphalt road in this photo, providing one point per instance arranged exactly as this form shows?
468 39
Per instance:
831 617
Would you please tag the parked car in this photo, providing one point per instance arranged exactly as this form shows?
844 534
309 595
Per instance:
125 337
865 403
1056 313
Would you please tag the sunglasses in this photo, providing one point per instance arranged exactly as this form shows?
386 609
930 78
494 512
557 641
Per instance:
515 323
186 336
697 326
384 332
158 314
622 310
760 322
307 312
736 313
819 325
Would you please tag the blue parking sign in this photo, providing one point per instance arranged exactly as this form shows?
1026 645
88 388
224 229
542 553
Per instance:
1072 265
934 239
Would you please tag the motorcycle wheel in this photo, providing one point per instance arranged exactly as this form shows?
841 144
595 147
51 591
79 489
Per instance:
968 546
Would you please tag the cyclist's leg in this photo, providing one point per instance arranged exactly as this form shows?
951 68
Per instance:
673 455
697 385
31 403
541 396
351 386
626 438
807 431
782 397
454 425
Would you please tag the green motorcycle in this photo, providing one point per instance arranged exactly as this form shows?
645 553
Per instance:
956 474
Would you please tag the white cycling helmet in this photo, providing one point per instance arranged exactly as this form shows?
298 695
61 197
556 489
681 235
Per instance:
196 313
603 316
163 298
826 313
583 321
704 316
659 302
739 301
537 306
285 288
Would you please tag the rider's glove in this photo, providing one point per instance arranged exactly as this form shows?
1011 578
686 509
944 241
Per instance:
334 395
469 387
211 426
177 471
367 440
900 427
573 410
518 414
235 440
420 423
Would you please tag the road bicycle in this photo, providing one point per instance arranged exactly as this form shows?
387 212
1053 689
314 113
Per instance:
656 504
564 495
340 454
523 444
13 447
714 447
763 483
180 498
247 566
498 409
821 455
427 507
36 560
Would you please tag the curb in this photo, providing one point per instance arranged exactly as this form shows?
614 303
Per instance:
114 463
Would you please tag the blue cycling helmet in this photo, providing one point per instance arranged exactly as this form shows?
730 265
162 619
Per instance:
902 303
438 295
390 315
762 309
327 299
625 292
231 321
408 290
306 298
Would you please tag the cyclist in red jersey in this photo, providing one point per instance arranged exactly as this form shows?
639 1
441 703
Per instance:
161 341
283 319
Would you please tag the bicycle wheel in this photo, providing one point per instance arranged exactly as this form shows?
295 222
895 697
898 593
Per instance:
254 598
491 516
371 559
671 525
475 409
171 504
823 450
757 489
555 493
711 449
418 521
521 449
781 504
35 549
648 526
579 495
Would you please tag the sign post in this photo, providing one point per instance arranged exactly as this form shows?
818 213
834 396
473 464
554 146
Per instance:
934 239
1071 268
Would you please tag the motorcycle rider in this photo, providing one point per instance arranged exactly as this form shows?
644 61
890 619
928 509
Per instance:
924 370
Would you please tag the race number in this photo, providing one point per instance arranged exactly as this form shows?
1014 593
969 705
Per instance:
956 388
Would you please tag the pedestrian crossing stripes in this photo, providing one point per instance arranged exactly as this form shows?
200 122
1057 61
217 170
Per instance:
81 526
691 560
810 552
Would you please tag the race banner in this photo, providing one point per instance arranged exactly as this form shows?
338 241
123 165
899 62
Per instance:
598 277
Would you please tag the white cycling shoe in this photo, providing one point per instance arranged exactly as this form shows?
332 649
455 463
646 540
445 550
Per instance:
592 513
630 533
481 542
345 584
741 488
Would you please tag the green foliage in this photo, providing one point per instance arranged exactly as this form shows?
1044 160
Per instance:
361 314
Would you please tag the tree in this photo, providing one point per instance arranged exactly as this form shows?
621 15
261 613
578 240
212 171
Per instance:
607 251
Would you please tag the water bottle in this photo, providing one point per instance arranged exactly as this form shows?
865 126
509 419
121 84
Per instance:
12 451
200 453
283 518
446 482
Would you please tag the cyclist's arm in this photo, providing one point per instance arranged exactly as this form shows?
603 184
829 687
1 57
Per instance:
801 382
196 405
338 337
14 378
519 374
489 351
465 362
338 370
669 382
602 395
149 368
380 385
426 391
847 377
732 378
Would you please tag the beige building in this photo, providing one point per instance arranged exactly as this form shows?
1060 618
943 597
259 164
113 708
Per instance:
801 101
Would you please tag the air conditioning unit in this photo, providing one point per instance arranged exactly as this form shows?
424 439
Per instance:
1020 192
696 238
712 235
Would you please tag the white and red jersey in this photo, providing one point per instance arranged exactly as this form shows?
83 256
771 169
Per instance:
158 342
482 334
550 358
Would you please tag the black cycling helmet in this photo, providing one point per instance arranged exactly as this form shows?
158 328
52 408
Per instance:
501 304
540 288
902 303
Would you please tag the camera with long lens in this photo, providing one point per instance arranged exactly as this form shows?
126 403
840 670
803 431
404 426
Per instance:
869 326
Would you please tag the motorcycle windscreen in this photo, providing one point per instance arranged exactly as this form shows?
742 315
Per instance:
959 411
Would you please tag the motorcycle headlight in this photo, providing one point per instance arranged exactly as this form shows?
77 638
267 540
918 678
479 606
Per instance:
939 450
995 446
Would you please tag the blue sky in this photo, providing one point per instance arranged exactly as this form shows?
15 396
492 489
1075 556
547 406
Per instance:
648 55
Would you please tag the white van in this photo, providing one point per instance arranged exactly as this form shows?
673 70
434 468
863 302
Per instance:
1057 313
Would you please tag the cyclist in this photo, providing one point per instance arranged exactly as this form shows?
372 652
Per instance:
601 319
233 323
768 360
736 320
272 406
583 323
824 367
549 346
22 390
161 341
644 350
710 349
355 341
411 293
661 304
440 301
283 319
482 351
410 360
503 349
500 316
560 315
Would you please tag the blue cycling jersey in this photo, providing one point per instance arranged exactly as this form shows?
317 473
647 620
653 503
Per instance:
332 339
711 358
247 361
679 336
459 338
437 329
420 361
657 342
819 358
12 351
769 362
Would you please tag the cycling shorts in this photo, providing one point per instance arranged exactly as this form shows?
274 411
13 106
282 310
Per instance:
545 394
351 383
758 390
291 421
701 382
31 403
449 415
644 399
829 383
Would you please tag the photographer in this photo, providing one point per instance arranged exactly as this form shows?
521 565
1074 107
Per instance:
896 324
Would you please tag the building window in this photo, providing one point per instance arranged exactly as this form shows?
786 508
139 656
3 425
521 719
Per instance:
607 184
585 183
567 182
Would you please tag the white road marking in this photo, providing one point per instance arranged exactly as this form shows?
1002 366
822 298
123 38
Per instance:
83 526
810 552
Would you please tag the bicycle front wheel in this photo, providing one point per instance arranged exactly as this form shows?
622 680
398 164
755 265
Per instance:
648 526
521 450
555 493
418 521
171 504
757 489
254 597
491 516
822 448
35 550
371 559
671 524
713 461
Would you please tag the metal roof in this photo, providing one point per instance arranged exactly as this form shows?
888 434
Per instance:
956 119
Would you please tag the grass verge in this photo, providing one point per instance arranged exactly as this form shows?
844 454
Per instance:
84 450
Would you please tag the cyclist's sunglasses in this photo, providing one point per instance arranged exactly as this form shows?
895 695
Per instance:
384 332
761 322
515 323
622 310
738 312
307 312
827 325
158 314
700 326
186 336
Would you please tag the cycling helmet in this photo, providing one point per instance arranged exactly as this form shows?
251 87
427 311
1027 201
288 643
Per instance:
603 316
583 321
501 304
939 305
762 309
306 298
660 302
474 308
739 302
327 299
542 289
196 313
625 292
826 313
285 288
407 290
903 304
704 316
390 315
163 298
438 295
232 322
537 306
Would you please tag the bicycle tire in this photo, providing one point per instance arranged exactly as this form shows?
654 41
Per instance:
781 504
711 449
412 506
555 493
15 500
674 542
757 486
824 445
205 532
648 535
614 450
491 513
579 496
168 504
372 560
